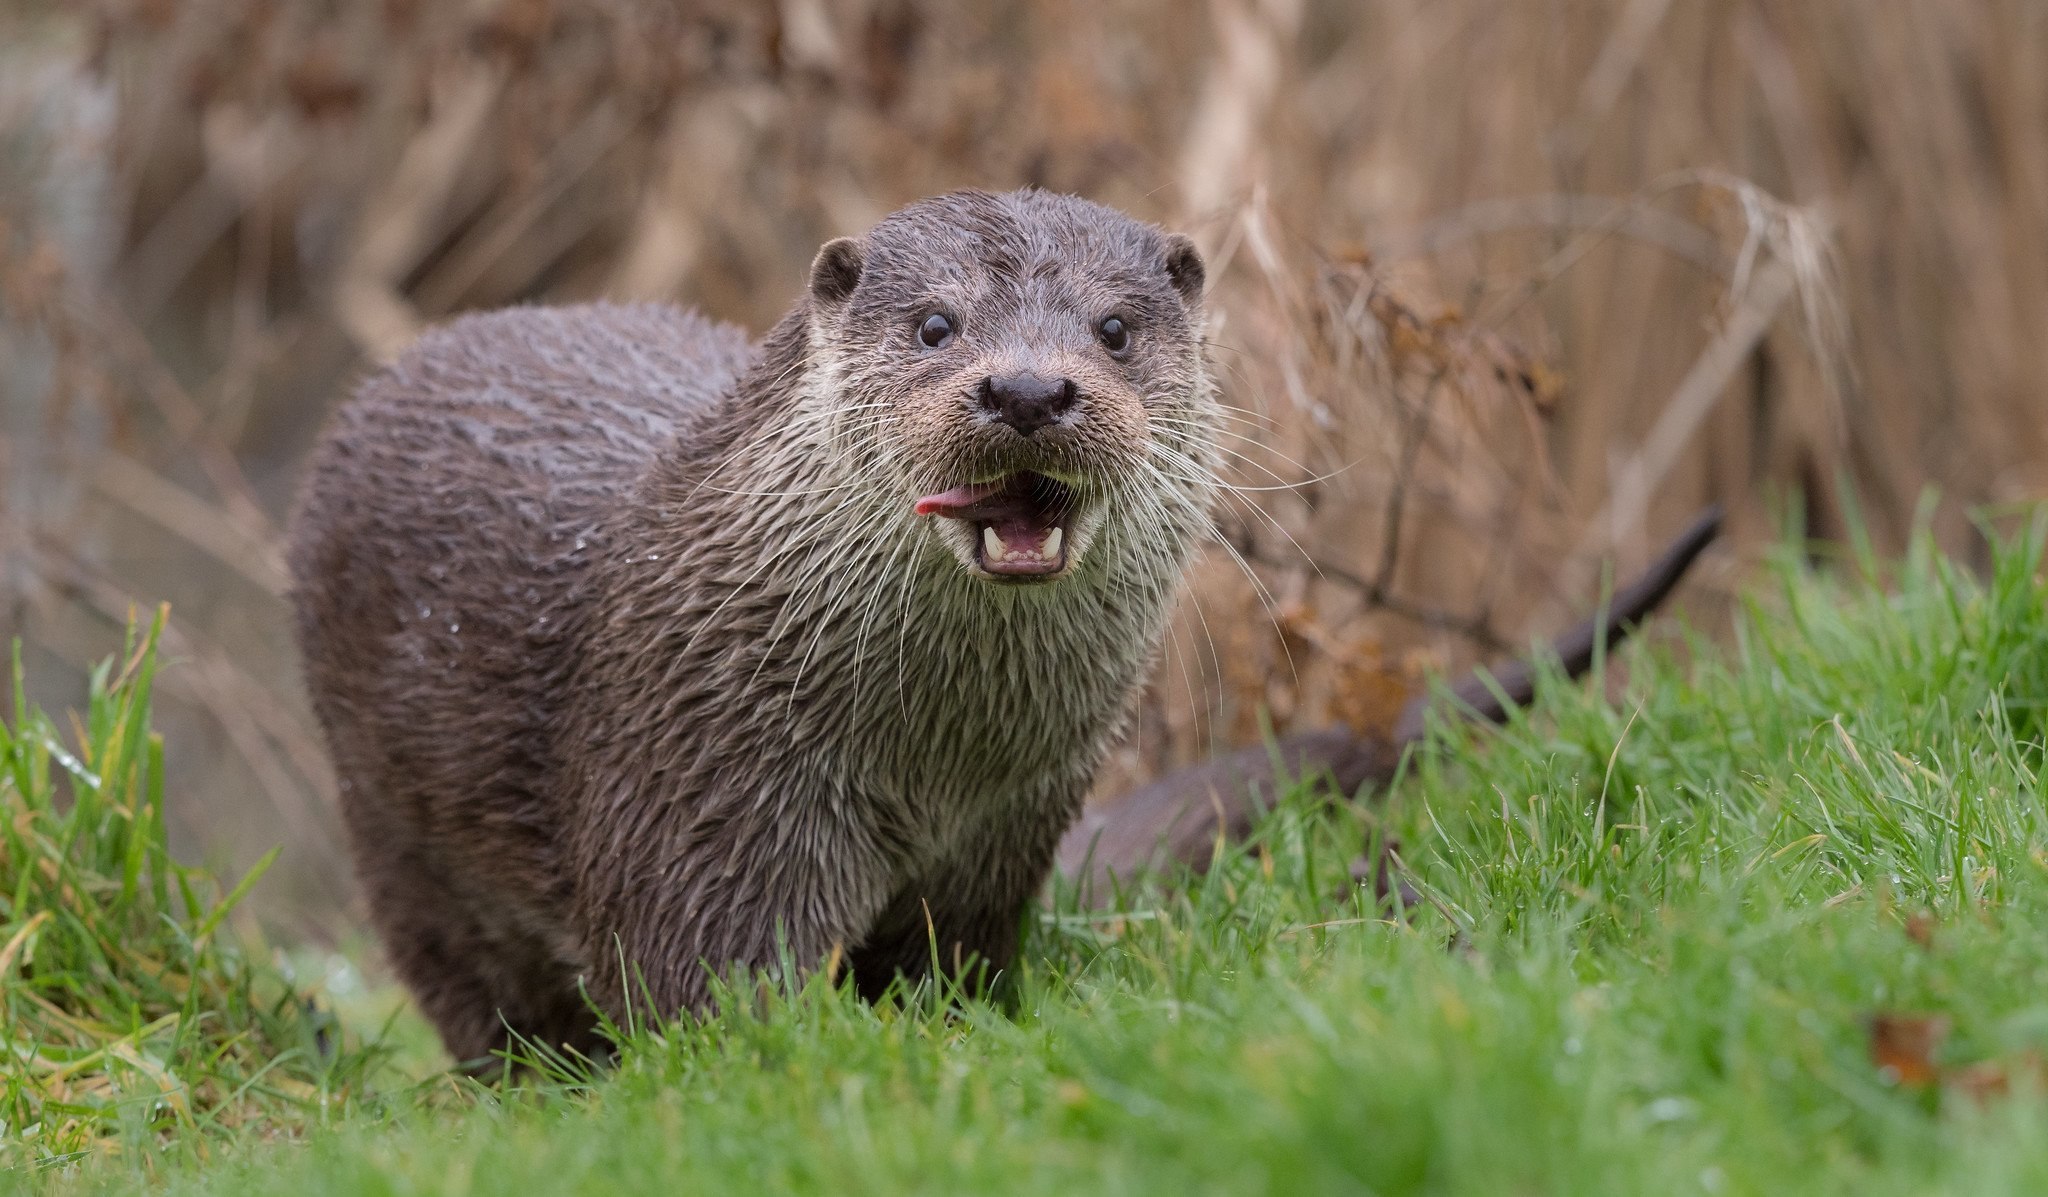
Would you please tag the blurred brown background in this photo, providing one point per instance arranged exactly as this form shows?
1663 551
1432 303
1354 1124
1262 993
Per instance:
1503 289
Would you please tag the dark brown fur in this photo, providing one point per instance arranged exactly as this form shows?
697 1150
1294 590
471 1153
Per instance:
634 661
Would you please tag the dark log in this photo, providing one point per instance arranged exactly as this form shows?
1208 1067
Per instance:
1179 817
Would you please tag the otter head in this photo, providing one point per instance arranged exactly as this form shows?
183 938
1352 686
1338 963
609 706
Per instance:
1024 374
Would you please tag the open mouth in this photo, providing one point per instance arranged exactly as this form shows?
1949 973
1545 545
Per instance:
1020 522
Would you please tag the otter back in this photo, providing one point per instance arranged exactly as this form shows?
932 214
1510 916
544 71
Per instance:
438 555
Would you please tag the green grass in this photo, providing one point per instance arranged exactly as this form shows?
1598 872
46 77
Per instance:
1655 935
130 1016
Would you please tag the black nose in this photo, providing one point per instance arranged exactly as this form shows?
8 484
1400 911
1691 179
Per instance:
1027 402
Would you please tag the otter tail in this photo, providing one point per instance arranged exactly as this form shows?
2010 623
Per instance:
1181 816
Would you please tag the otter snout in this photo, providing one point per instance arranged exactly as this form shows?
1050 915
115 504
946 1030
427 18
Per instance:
1027 401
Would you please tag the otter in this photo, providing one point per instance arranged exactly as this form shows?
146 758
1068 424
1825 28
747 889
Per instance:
645 653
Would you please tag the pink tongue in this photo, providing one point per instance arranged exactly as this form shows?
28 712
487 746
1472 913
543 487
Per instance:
990 502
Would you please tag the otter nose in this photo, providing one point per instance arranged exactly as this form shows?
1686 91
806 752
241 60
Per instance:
1027 402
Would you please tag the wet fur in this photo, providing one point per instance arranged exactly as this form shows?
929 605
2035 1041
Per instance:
635 662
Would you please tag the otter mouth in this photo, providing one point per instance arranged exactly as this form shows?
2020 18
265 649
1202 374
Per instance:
1020 522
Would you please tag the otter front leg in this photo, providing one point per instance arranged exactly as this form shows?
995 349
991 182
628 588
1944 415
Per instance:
741 886
915 933
967 918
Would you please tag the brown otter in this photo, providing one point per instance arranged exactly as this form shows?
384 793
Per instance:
644 652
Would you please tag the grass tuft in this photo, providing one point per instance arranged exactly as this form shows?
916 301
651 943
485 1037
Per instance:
1775 921
130 1015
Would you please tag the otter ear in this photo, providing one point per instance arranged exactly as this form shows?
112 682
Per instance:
835 271
1184 267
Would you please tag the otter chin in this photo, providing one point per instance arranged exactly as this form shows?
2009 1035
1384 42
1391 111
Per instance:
648 651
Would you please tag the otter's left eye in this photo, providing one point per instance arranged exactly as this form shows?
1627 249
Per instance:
1115 336
936 332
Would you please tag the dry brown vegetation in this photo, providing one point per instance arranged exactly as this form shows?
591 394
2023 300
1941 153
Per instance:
1502 290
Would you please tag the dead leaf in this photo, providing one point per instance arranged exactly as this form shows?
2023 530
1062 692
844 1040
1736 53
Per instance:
1988 1079
1920 929
1903 1046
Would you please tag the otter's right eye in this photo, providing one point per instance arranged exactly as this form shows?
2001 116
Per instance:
936 332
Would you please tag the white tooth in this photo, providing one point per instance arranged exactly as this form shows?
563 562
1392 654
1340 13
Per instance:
991 544
1052 545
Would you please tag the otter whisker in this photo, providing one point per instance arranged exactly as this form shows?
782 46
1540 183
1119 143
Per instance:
780 494
769 432
1243 419
849 484
872 605
903 643
1221 447
1264 490
1270 518
823 619
819 577
1187 680
1208 637
1265 596
1266 600
816 574
838 427
817 521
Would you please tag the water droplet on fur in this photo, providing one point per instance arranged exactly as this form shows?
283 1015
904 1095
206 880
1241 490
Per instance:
454 627
426 612
579 542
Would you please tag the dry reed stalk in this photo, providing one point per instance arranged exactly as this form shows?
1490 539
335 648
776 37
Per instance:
1495 286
